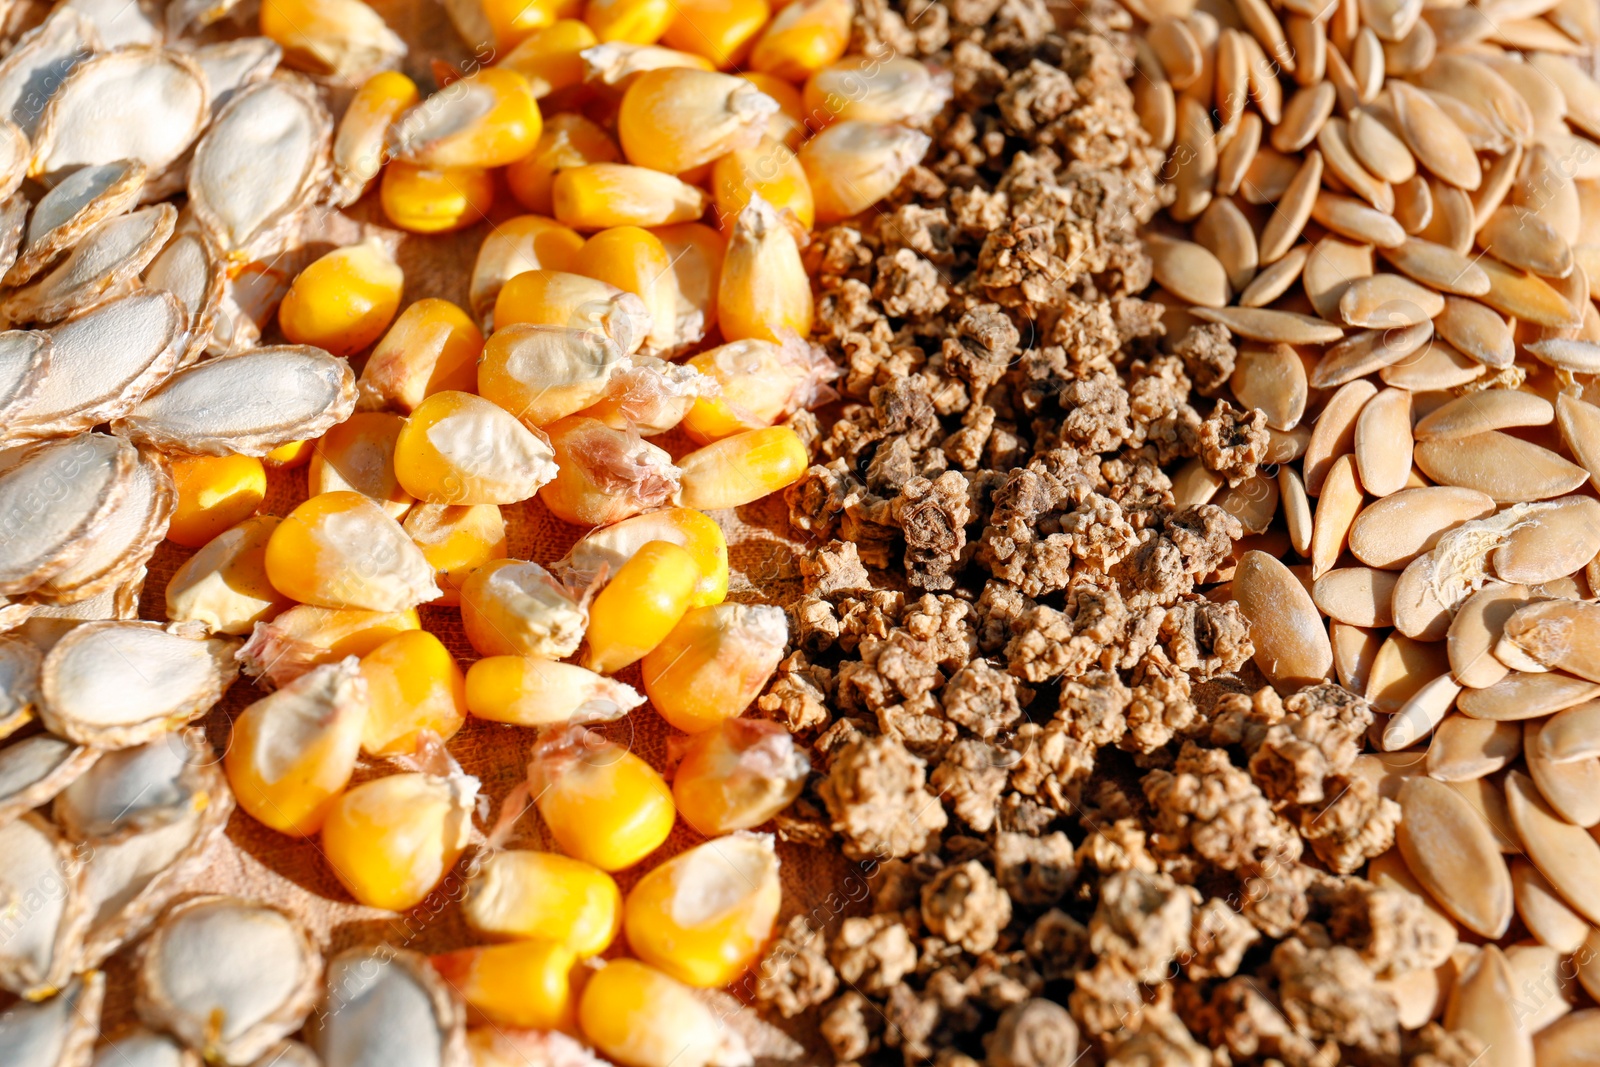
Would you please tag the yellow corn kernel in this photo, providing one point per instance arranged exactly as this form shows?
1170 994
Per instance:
852 165
511 607
391 840
714 663
435 200
224 586
604 551
456 540
704 915
341 550
488 119
604 475
568 140
875 89
512 22
633 21
525 983
639 606
561 298
613 66
652 396
603 805
738 775
358 456
544 373
292 752
413 685
304 637
676 118
759 383
525 691
597 196
524 243
458 448
696 251
344 301
739 469
635 261
499 1046
432 346
786 125
549 59
214 493
342 38
358 147
768 169
522 894
763 291
720 30
804 37
639 1017
289 456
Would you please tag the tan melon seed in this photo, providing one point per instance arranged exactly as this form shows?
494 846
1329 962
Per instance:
1292 648
1544 913
1343 80
1411 54
1286 447
1545 187
1579 357
1580 431
1275 279
1390 533
1453 222
1273 379
1517 658
1196 155
1359 596
1264 324
1524 296
1417 717
1390 19
1483 1002
1232 92
1450 850
1179 52
1541 967
1188 270
1442 268
1388 771
1263 25
1572 787
1506 468
1464 749
1561 634
1488 798
1295 206
1479 332
1386 301
1573 734
1296 508
1565 854
1418 610
1354 649
1400 669
1223 230
1367 64
1383 442
1570 1041
1498 180
1521 239
1157 107
1236 155
1308 40
1332 265
1477 627
1555 542
1264 84
1333 433
1491 409
1368 351
1434 138
1413 204
1333 141
1337 508
1254 502
1352 218
1418 995
1195 484
1435 367
1379 150
1528 696
1268 175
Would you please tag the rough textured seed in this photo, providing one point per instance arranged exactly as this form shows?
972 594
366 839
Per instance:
1556 541
1358 596
1383 442
1275 279
40 952
1525 296
1390 533
1334 432
1543 912
1338 504
1274 380
1362 353
1332 265
1386 301
1442 268
1477 331
1295 206
1573 734
104 263
1417 717
1349 217
1188 271
1450 850
1263 324
34 769
129 538
1291 646
39 61
1521 239
1477 627
1419 610
1571 787
1506 468
1464 749
1565 854
1491 409
1437 366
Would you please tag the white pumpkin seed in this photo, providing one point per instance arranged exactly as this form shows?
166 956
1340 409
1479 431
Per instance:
83 200
41 882
40 62
388 1006
59 1032
106 263
60 495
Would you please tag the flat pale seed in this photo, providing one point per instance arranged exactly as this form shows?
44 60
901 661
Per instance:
1157 107
1254 502
1378 149
1267 176
1434 367
1343 80
1506 468
1334 143
1417 607
1476 84
1556 541
1296 509
1308 40
1179 52
1264 84
1337 508
1528 696
1387 301
1434 138
1481 133
1498 179
1464 748
1570 1041
1451 851
1490 409
1546 188
1287 447
1561 634
1544 913
1390 19
1259 18
1234 157
1573 734
1265 324
1579 357
1572 788
1580 90
1333 434
1383 442
1292 648
1477 331
1357 596
1295 206
1232 93
1417 717
1580 431
1330 268
1411 54
1438 267
1354 649
1488 798
1400 669
1564 853
1367 64
1352 218
1390 533
1453 222
1196 155
1187 270
1576 20
1388 771
1275 278
1274 380
1368 351
1483 1002
1478 625
1521 239
1195 484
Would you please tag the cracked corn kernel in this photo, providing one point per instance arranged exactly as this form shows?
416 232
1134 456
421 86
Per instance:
341 550
631 21
343 38
763 290
224 586
737 775
549 58
760 382
605 550
604 475
391 840
542 373
720 30
292 752
562 298
639 1017
714 663
639 606
358 146
704 915
603 804
523 243
344 301
522 894
739 469
853 165
305 636
635 261
511 607
488 119
523 984
527 691
456 540
432 346
875 89
568 140
214 493
803 38
596 196
358 456
677 118
458 448
652 396
768 169
434 199
413 685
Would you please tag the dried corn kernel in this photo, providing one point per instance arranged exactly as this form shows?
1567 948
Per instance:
603 804
497 1046
341 550
511 607
344 301
652 396
768 169
542 374
615 64
524 243
786 125
676 118
224 586
413 685
456 540
214 493
435 199
763 291
489 119
720 30
525 983
525 691
604 475
852 165
640 1017
345 38
289 456
696 251
511 22
304 637
391 840
432 346
639 606
804 37
517 893
739 469
359 146
560 298
458 448
876 89
635 261
759 383
568 140
292 752
737 775
358 456
597 196
714 663
704 915
549 59
633 21
603 552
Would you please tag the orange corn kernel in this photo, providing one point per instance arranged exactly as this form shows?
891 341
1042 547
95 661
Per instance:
524 243
390 841
714 663
458 448
676 118
568 140
344 301
413 685
604 551
763 291
512 607
341 550
603 805
739 469
525 983
737 775
696 251
638 607
758 383
639 1017
597 196
525 895
304 637
488 119
289 456
787 125
549 58
358 147
805 36
432 346
544 373
720 30
635 261
214 493
634 21
435 200
560 298
604 475
513 22
525 691
768 169
358 456
456 540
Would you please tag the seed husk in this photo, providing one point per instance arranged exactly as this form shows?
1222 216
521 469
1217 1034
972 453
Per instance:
1451 851
1383 442
1491 409
1334 432
1565 854
1368 351
188 269
41 952
1274 380
1555 541
1330 268
107 262
1264 324
1392 532
1417 717
1337 506
231 65
1295 206
1444 269
129 537
38 63
145 1048
1358 596
1187 270
58 1032
1572 734
1291 645
1572 787
76 482
1478 625
24 364
1387 301
1352 218
376 993
1465 749
82 201
1418 610
34 769
1506 468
